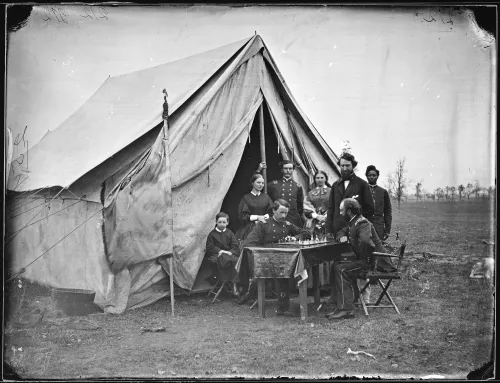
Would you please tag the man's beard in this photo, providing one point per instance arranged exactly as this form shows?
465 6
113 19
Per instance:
346 176
372 182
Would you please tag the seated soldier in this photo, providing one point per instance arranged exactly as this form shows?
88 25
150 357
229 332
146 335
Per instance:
275 229
364 241
222 251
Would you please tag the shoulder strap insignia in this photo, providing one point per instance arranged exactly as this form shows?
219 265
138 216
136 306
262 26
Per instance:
287 223
360 220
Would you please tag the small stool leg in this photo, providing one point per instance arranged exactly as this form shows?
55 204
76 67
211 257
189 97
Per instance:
261 296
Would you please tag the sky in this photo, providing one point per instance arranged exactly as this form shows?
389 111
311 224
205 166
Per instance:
395 82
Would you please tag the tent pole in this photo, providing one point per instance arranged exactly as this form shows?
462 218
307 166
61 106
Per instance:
169 212
262 143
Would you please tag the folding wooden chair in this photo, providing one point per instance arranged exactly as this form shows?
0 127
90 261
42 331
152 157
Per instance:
217 289
379 276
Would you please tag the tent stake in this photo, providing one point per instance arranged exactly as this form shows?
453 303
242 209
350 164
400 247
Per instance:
263 143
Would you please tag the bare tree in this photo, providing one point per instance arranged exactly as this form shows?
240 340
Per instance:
447 192
461 190
439 193
453 192
397 182
468 190
477 189
418 190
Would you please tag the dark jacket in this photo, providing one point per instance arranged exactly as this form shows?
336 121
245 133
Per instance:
364 241
357 187
217 241
291 192
272 232
383 210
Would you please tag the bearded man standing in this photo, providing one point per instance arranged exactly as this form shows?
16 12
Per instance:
348 186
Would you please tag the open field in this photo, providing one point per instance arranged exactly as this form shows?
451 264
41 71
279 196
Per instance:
445 326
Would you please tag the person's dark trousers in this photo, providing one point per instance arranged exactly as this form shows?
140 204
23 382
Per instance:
344 282
284 297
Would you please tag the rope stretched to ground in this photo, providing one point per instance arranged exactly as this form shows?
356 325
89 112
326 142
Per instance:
27 203
437 224
10 240
34 207
23 269
67 207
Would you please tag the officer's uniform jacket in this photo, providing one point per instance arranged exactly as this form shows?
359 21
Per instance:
292 193
272 232
364 241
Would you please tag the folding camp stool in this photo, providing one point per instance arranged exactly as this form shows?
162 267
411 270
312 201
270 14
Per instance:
217 289
379 276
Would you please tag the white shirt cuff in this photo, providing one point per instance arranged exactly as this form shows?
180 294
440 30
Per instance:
314 215
254 217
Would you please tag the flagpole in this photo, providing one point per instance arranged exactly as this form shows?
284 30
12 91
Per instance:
168 182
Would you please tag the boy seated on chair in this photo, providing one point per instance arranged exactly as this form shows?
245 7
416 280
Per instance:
222 251
364 241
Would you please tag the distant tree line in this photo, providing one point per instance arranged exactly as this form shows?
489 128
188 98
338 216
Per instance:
398 185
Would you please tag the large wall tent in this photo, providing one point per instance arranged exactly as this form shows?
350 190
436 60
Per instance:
63 210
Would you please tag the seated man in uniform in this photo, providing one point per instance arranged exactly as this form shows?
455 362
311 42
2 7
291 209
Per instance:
364 241
274 230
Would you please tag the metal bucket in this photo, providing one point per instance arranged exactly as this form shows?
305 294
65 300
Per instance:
74 302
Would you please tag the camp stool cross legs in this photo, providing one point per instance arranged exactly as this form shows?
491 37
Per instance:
379 276
217 289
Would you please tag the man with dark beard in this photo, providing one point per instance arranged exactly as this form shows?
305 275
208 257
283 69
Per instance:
348 186
382 202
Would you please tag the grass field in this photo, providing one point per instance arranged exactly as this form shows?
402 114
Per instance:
445 326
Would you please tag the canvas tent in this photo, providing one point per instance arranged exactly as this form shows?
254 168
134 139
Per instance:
66 203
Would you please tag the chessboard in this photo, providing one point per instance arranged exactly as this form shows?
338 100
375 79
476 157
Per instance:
301 244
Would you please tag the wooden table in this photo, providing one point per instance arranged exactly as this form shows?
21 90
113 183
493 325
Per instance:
289 261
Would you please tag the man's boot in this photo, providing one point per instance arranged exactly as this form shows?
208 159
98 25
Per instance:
250 294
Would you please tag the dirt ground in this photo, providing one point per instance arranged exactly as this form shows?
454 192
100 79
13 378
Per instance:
445 326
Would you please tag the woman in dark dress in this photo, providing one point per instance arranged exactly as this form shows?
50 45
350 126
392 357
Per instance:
254 206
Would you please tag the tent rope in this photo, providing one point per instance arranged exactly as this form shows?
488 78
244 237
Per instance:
23 269
31 195
67 207
48 204
27 203
19 184
34 207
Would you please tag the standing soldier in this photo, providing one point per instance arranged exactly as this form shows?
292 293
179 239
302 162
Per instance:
382 202
288 190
